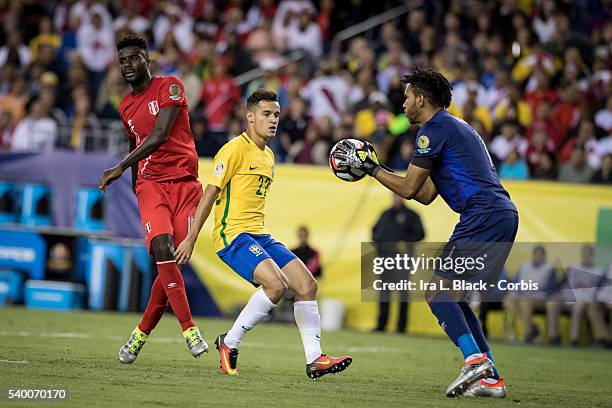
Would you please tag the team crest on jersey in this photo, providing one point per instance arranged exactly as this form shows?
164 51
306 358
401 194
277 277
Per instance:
175 92
219 169
423 144
153 108
255 249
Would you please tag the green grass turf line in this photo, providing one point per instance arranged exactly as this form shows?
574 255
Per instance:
78 351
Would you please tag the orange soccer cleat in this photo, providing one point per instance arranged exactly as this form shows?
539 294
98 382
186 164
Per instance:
228 357
326 365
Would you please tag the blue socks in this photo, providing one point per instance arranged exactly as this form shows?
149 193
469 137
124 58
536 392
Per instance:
461 326
468 345
452 320
478 335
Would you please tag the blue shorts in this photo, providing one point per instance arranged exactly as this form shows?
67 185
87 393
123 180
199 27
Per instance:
247 250
488 237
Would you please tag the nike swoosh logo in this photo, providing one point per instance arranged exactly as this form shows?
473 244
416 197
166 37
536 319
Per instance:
245 329
252 168
323 362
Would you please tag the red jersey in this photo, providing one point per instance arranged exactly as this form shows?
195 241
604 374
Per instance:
177 158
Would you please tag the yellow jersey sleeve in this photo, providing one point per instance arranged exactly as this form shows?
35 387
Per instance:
226 165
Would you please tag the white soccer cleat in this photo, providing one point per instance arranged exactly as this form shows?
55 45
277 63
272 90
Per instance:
477 367
487 387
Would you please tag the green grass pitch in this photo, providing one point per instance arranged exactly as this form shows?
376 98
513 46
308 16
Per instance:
78 351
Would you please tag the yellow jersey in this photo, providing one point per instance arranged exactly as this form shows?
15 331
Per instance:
244 173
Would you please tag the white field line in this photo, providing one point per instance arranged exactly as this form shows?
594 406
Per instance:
153 339
4 360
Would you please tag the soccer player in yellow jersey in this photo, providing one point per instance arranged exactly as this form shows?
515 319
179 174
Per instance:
243 172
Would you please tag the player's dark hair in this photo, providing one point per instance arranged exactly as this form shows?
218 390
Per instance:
258 96
132 40
433 85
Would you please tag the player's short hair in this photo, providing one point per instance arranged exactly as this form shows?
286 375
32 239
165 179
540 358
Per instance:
132 40
433 85
258 96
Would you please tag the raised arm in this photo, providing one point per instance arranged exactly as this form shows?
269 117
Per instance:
185 248
159 135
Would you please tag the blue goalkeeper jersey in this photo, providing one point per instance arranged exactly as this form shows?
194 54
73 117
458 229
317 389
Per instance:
461 167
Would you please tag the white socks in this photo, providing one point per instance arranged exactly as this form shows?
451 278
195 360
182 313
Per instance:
308 321
257 308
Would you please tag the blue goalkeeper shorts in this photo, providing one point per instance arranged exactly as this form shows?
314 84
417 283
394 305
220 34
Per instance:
247 250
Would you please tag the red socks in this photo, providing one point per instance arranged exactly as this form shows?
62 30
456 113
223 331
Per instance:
158 302
168 287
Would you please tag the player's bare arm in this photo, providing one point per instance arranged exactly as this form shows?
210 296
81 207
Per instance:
135 166
159 135
415 185
185 248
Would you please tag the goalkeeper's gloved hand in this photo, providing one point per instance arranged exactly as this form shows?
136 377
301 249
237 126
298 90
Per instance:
366 160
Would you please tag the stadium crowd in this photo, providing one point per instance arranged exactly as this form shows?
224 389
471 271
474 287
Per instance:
532 77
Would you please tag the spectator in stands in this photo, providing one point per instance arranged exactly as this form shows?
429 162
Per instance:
219 94
513 108
110 93
538 143
96 41
499 91
583 136
471 110
546 169
577 169
539 90
6 129
15 52
577 290
604 174
270 81
565 113
240 59
15 100
85 133
129 19
178 24
603 306
260 42
510 139
394 63
46 37
401 160
514 167
522 304
37 132
544 121
603 117
292 126
312 150
327 94
305 34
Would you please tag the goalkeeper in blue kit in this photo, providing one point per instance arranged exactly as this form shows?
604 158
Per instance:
450 159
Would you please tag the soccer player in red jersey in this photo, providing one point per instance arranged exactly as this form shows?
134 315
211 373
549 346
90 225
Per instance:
164 166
